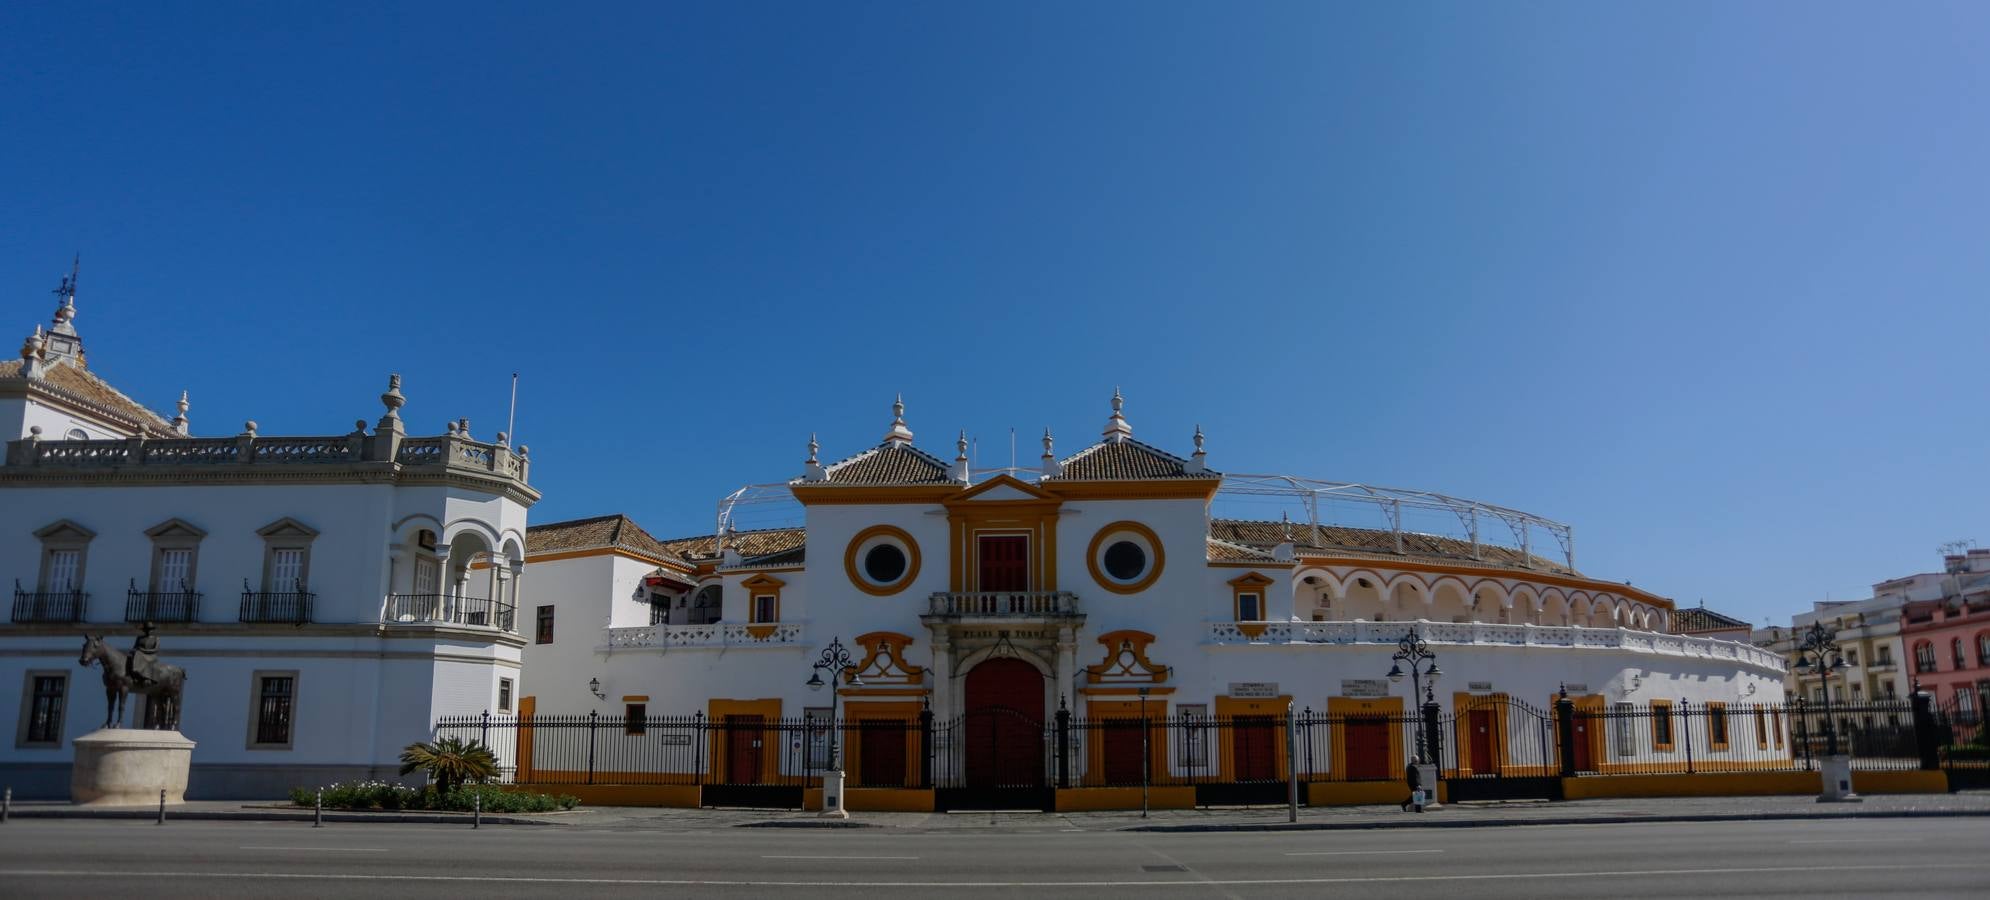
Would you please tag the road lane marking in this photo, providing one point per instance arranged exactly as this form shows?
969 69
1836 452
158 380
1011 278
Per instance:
1853 841
1356 852
1201 883
839 857
326 849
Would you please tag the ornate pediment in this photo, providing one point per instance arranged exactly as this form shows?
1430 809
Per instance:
884 664
1003 488
287 527
1126 660
175 528
65 530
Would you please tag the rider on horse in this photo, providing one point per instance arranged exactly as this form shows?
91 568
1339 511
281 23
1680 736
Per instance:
143 664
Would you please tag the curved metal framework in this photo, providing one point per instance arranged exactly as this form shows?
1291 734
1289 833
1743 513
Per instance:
1313 494
1392 501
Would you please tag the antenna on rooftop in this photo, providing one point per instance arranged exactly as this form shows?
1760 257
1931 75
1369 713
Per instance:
1956 548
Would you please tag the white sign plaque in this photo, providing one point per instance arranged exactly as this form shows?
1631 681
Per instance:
1256 690
1364 687
1478 686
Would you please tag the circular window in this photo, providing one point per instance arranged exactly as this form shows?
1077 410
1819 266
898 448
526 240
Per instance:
1125 561
884 563
1125 557
882 560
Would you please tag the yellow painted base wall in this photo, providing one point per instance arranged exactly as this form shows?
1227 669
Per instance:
1364 793
875 799
1911 782
1745 784
1109 798
680 796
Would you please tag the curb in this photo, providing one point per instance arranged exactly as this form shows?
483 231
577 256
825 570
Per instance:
806 823
172 815
1563 820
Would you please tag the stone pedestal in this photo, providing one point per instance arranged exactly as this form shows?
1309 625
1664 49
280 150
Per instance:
832 795
1427 776
1837 774
129 767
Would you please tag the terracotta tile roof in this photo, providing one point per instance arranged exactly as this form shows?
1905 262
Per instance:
1125 460
1340 539
72 378
1693 619
791 557
890 464
750 544
612 531
1225 551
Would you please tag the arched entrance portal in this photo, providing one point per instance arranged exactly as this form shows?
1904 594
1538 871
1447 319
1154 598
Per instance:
1001 738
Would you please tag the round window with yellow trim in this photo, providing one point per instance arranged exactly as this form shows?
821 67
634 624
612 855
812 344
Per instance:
1125 557
882 560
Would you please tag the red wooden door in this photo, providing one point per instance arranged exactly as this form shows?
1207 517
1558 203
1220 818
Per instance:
1254 748
1481 723
743 737
1121 751
1004 724
1366 748
1583 722
882 763
1005 562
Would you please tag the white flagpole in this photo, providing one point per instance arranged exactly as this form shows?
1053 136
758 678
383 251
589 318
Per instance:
511 420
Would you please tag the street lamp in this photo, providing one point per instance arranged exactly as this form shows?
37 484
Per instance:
836 660
1818 652
1423 674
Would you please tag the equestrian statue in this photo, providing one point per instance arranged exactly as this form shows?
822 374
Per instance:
139 672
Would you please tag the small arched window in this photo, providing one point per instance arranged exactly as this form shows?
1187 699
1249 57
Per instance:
76 434
1924 657
1955 652
1983 648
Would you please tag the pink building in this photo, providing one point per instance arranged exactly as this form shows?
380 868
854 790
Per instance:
1948 646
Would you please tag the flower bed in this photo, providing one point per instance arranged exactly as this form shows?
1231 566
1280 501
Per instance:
383 795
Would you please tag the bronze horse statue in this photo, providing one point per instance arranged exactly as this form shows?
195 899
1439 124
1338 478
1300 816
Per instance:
118 683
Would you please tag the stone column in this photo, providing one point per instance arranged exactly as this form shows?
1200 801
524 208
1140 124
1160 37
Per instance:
445 580
1067 689
942 676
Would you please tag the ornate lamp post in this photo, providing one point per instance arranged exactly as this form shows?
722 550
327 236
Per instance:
1423 674
1817 651
835 660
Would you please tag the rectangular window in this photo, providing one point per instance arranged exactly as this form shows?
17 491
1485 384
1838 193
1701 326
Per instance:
635 718
64 571
1195 736
1924 658
175 571
42 713
815 720
545 635
1717 726
286 568
1857 689
1885 656
504 695
428 575
1249 608
1661 726
1852 657
1965 702
276 701
1761 730
765 608
659 609
1886 687
1626 736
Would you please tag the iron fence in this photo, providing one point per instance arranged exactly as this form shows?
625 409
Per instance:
49 606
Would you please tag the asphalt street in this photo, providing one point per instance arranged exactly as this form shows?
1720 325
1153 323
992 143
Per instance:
1808 859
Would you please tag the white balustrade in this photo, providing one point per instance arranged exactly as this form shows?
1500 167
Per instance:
724 634
1492 633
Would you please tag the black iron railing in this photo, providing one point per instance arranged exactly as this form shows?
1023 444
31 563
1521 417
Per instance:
448 609
161 606
277 606
49 606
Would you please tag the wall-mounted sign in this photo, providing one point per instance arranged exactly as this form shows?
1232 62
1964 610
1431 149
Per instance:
1478 686
676 740
1575 688
1254 690
1364 687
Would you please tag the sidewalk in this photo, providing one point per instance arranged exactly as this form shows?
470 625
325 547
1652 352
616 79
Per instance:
1260 818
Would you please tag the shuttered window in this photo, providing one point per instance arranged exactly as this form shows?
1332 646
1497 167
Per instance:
64 567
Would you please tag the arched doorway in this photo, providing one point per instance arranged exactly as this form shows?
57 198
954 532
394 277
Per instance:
1001 736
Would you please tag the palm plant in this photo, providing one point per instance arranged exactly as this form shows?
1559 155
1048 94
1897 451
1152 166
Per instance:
449 762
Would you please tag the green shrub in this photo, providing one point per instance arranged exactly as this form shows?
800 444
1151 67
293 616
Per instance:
364 795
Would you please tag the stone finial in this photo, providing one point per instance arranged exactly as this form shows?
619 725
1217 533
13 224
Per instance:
1050 466
1198 439
31 354
451 429
359 425
1117 428
392 399
960 472
463 428
1196 462
524 451
503 440
180 416
814 448
812 467
899 435
249 428
65 314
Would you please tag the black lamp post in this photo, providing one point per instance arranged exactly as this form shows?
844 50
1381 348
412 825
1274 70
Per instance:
1423 674
1820 645
836 660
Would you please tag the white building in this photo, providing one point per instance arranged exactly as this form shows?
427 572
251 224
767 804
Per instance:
1089 583
329 596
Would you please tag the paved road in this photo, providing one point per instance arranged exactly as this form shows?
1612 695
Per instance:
1921 857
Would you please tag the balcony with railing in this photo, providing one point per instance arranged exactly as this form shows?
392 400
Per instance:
1492 634
161 606
291 607
48 606
449 609
1003 605
715 635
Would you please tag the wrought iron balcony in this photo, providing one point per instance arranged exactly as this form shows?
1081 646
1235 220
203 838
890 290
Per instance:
277 606
161 606
49 606
448 609
1004 604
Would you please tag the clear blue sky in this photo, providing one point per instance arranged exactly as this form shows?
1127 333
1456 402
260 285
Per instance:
1704 280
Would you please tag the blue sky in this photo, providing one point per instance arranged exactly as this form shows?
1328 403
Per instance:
1695 278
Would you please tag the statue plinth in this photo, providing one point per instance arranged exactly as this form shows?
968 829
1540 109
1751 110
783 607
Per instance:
129 767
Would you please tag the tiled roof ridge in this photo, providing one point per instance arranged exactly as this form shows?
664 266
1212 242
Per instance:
1175 467
1240 548
1305 537
888 445
1100 445
709 535
135 412
623 532
940 471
